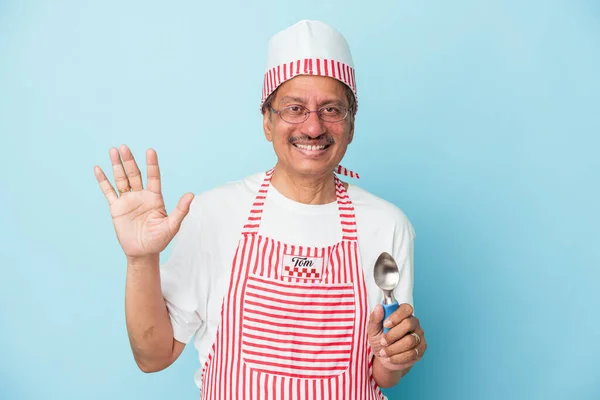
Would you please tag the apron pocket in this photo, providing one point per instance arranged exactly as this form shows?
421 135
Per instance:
298 330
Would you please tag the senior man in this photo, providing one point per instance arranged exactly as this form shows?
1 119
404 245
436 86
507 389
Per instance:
272 275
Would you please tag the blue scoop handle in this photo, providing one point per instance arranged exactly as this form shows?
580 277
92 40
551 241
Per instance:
388 309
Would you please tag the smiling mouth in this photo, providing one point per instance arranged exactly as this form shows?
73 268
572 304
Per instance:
310 147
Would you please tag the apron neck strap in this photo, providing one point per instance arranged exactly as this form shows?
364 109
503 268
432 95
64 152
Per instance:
345 207
346 172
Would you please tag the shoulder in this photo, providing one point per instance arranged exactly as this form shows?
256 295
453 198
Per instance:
379 212
220 209
226 197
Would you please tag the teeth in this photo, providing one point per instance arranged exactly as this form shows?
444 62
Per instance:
312 148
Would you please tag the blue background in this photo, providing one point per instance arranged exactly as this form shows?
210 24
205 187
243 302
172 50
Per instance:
478 118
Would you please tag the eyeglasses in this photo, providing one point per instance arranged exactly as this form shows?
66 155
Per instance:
298 114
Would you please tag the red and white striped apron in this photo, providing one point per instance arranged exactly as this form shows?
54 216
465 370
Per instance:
294 319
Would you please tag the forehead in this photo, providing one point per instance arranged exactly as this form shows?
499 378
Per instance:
308 88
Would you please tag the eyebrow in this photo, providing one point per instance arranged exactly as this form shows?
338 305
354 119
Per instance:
293 99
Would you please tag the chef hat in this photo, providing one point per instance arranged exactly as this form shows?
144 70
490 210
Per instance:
308 48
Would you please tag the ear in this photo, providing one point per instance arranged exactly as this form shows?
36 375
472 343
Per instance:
267 125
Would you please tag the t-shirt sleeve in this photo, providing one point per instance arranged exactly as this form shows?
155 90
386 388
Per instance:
403 248
179 279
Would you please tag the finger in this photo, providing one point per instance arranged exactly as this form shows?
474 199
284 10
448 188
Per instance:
153 171
406 343
374 327
179 213
105 186
119 172
131 167
410 356
399 331
404 311
422 347
407 357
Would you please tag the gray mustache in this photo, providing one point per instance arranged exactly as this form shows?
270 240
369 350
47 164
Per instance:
318 141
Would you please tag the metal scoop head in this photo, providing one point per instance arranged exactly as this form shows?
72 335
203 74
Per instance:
387 276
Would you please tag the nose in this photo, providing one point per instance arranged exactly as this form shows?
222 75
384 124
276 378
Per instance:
313 126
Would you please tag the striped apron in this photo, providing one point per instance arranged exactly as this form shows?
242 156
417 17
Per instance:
294 319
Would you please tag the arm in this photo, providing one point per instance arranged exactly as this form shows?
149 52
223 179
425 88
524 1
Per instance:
144 230
148 323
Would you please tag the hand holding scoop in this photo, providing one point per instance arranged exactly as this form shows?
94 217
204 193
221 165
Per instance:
387 277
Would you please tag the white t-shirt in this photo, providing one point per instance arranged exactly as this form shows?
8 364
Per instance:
195 278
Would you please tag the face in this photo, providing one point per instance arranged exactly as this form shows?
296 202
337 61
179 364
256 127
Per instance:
314 147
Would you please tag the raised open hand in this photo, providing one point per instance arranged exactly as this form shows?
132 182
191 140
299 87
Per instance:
139 217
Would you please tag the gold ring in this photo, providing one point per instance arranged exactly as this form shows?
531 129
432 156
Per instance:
417 338
124 190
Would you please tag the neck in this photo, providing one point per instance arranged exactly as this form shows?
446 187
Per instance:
306 189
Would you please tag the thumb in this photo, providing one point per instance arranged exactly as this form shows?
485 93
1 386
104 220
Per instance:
181 210
375 327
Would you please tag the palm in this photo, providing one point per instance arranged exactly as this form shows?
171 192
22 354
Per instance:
141 223
139 216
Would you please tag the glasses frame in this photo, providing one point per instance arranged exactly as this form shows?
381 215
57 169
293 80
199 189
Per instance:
307 113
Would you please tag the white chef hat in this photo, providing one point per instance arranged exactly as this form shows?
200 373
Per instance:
308 48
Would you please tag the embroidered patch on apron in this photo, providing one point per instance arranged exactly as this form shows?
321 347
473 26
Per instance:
302 267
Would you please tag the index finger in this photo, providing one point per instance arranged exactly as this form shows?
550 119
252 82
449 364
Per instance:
404 311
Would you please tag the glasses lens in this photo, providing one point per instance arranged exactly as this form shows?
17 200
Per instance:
333 113
293 114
